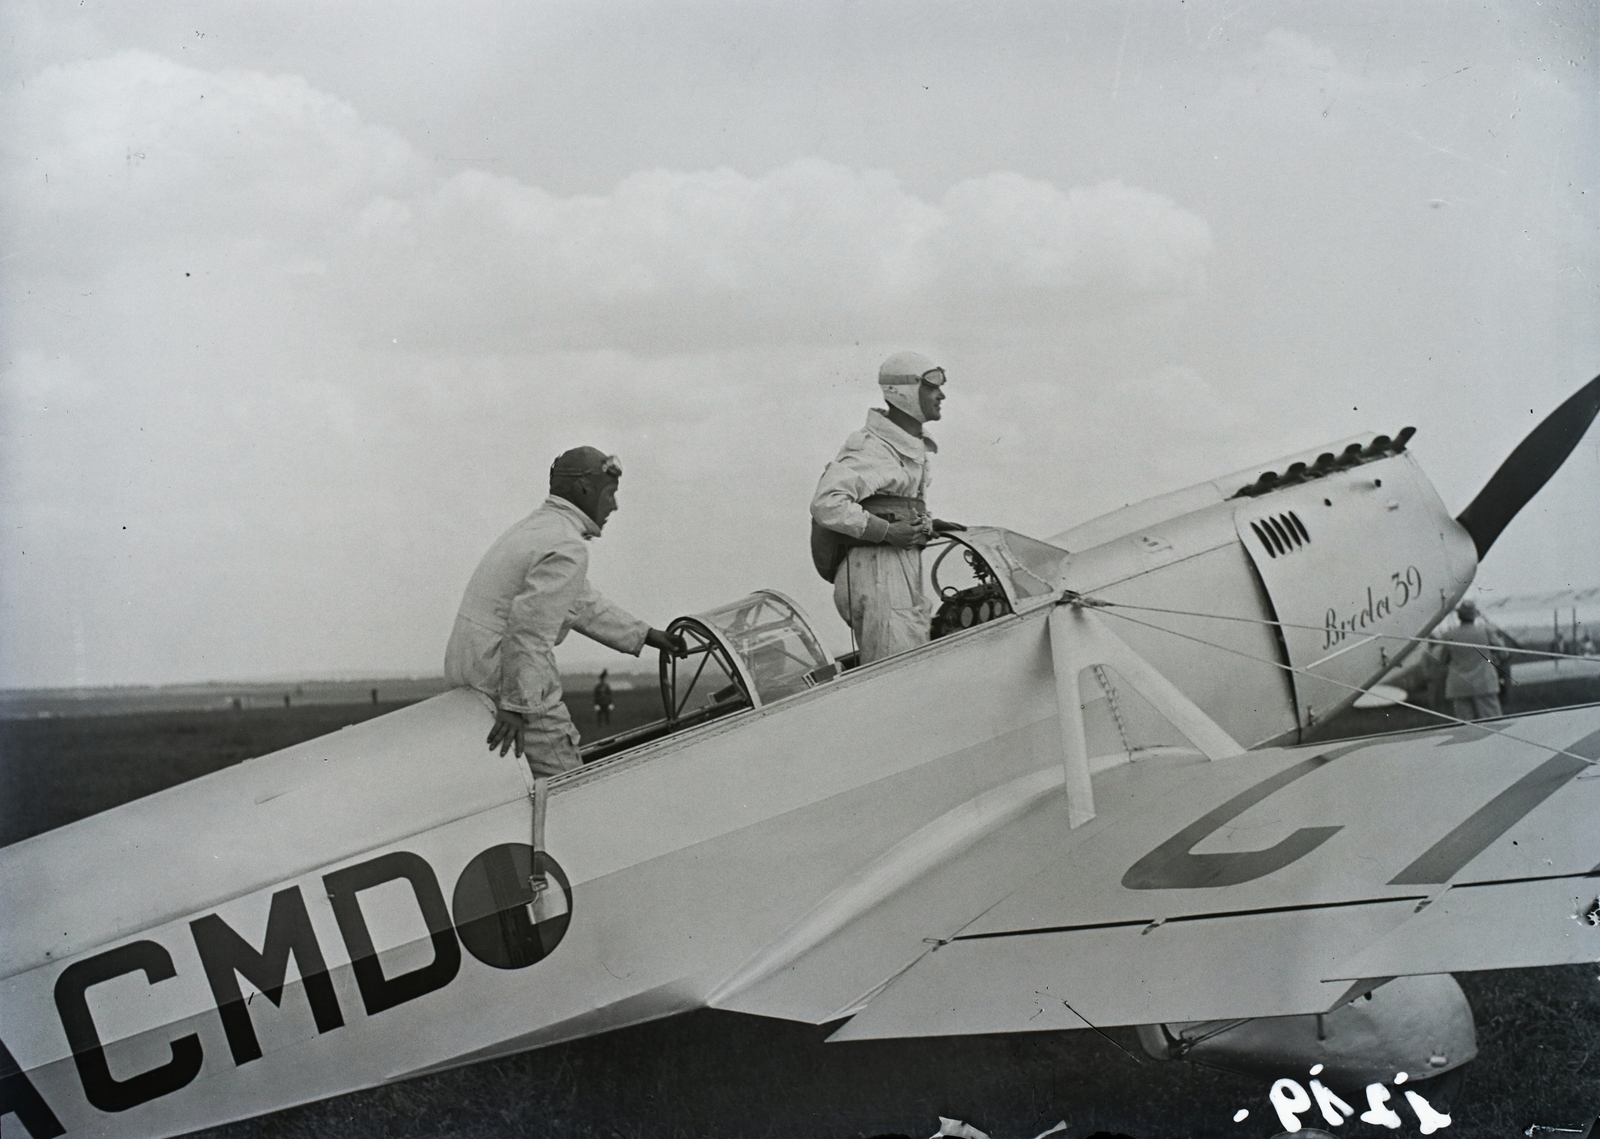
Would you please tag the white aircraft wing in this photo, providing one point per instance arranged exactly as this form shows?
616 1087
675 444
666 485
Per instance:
1265 885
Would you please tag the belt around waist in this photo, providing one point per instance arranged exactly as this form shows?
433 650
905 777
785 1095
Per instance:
893 507
829 547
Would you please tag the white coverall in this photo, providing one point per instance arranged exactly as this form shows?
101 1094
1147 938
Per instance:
1471 683
529 589
878 589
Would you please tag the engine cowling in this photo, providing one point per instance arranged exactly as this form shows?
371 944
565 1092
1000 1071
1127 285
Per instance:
1310 587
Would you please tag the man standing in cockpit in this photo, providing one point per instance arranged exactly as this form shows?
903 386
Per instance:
869 514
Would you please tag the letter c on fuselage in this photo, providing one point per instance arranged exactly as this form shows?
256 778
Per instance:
72 1003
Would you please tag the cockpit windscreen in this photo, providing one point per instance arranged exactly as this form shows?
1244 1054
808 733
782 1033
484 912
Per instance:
771 641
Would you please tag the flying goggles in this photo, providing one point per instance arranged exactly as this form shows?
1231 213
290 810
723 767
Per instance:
934 376
577 466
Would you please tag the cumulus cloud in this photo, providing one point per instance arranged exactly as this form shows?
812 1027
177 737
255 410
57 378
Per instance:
811 251
110 158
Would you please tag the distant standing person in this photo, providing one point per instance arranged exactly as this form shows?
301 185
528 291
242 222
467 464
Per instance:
527 592
1469 654
869 514
602 701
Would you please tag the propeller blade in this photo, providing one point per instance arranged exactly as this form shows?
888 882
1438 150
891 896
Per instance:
1530 466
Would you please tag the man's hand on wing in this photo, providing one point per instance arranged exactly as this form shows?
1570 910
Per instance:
667 642
508 731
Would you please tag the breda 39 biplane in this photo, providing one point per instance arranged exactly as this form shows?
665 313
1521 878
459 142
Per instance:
1087 801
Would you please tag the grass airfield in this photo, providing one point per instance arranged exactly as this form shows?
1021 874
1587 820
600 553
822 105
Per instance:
715 1074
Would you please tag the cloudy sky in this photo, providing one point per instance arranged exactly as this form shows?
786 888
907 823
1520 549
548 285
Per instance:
299 299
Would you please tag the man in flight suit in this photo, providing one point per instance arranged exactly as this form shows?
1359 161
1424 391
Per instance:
527 592
1471 684
869 518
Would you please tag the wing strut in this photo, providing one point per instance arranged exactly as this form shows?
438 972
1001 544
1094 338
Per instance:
1080 640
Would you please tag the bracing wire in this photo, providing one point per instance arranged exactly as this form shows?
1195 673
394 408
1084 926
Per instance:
1110 607
1097 603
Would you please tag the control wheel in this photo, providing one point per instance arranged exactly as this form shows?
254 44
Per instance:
704 679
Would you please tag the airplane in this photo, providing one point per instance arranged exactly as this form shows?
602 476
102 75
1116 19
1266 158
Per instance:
1095 798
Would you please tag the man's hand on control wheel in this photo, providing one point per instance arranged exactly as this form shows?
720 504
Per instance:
667 642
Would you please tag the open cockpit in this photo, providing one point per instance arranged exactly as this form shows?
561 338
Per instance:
760 649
